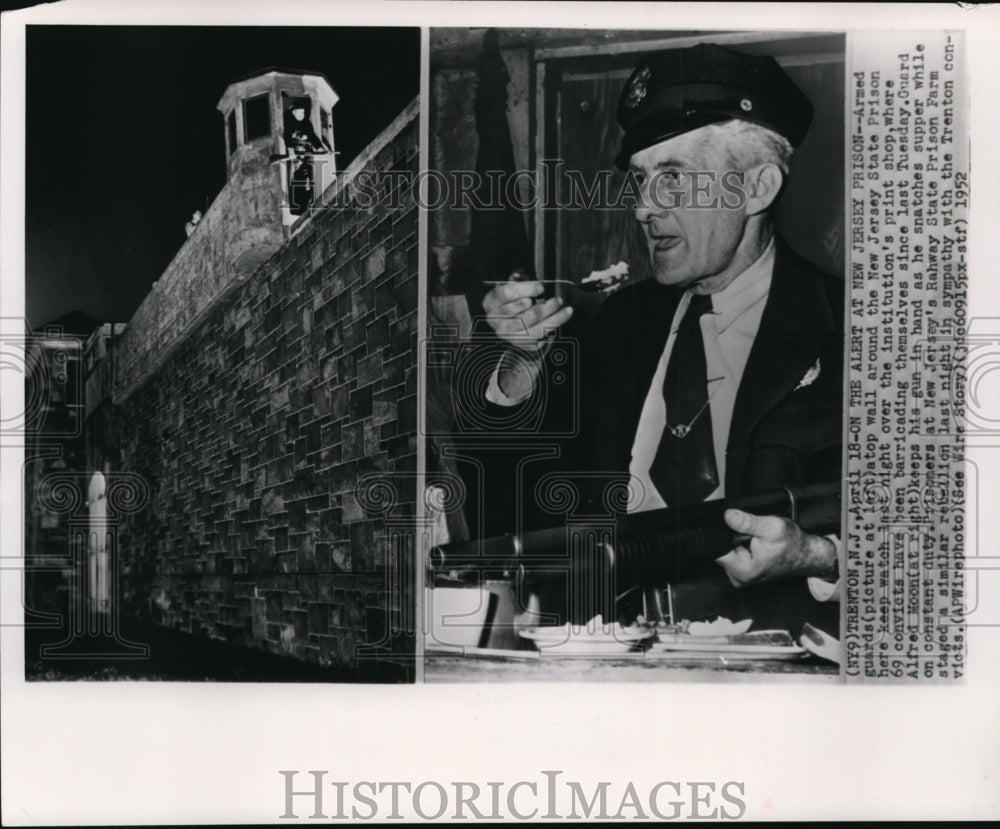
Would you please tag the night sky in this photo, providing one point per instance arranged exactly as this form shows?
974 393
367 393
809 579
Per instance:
124 141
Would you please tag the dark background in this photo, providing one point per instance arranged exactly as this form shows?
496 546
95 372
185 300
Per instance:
124 142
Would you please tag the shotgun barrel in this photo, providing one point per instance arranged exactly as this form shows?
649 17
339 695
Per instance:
647 547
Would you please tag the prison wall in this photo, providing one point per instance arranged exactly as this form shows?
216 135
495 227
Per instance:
263 427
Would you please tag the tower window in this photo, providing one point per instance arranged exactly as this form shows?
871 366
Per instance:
256 117
231 130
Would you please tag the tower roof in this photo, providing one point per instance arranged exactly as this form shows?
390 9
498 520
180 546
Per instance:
282 70
291 81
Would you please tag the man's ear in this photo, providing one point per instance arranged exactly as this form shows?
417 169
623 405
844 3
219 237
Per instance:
762 187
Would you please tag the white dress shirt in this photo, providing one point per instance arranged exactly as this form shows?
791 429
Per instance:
728 334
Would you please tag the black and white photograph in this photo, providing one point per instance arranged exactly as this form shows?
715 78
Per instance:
644 396
222 353
498 411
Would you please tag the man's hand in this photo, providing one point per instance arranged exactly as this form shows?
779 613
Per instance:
778 549
515 317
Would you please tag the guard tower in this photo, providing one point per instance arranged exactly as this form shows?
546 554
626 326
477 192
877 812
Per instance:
280 121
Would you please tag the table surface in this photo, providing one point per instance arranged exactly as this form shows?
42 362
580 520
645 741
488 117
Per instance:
481 665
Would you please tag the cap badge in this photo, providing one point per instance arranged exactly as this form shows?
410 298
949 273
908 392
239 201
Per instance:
637 91
746 105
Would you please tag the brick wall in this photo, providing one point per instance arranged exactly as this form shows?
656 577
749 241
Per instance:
258 431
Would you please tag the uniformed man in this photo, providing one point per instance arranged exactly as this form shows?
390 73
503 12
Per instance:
722 375
301 143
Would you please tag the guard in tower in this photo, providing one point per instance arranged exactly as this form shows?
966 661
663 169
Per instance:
300 137
301 143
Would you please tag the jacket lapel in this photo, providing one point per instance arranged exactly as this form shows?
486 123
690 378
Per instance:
796 321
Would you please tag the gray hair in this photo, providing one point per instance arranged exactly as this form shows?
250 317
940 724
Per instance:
747 144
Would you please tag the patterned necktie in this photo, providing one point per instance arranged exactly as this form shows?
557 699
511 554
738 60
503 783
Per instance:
684 470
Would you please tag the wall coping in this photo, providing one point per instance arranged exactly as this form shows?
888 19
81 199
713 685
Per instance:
173 273
121 390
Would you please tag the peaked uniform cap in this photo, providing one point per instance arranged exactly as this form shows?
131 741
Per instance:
680 90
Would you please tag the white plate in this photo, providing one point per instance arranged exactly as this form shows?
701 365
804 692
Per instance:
583 647
726 639
560 641
554 635
710 650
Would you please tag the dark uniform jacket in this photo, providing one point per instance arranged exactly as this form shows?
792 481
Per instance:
781 434
784 432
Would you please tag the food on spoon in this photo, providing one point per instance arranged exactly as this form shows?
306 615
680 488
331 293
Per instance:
609 280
